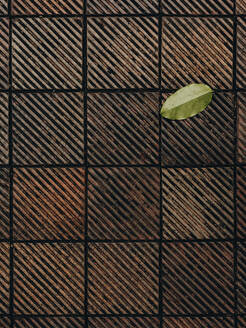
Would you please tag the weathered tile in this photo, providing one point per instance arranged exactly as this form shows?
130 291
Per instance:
217 322
47 322
4 53
4 133
4 203
241 6
136 322
241 128
122 7
4 279
241 277
241 52
241 202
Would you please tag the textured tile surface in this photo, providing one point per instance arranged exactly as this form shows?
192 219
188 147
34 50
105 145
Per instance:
192 55
48 278
123 278
123 128
241 202
124 322
48 128
4 322
122 52
241 128
49 203
197 278
123 203
3 7
58 322
198 323
241 6
198 203
207 138
4 116
122 7
41 60
241 321
4 203
4 53
241 267
4 278
241 52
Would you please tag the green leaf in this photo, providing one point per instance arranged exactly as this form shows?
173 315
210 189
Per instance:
187 102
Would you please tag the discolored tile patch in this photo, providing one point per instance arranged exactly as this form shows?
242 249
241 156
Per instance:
123 278
49 278
47 322
122 7
48 7
241 202
4 53
4 203
48 203
197 278
47 53
3 7
123 203
202 7
241 277
241 52
4 279
122 52
207 138
198 322
48 128
123 128
4 124
198 203
241 9
136 322
192 55
241 128
5 322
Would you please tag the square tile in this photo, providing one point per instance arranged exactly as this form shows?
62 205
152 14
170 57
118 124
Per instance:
47 53
217 322
198 203
197 50
48 278
122 52
4 53
48 128
123 203
202 7
4 131
197 278
241 6
241 202
47 322
3 7
241 277
136 322
5 322
207 138
47 7
123 278
122 7
241 52
241 127
123 128
4 203
49 203
4 278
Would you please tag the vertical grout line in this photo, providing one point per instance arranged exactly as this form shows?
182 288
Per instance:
11 254
160 162
84 87
235 160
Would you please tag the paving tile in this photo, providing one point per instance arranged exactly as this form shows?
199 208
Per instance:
241 128
124 322
241 52
198 322
47 53
198 203
4 279
197 278
48 128
122 52
241 6
4 53
123 278
241 202
122 7
47 322
4 133
197 50
241 277
3 7
123 128
123 203
49 278
207 138
48 203
4 203
39 7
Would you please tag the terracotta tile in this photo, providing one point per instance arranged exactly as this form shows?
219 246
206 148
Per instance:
4 134
4 53
122 7
5 322
47 322
207 138
241 6
123 203
241 277
241 52
198 278
48 203
123 278
206 7
198 322
136 322
241 202
241 128
49 278
197 50
47 53
198 203
3 7
123 128
4 203
48 128
4 278
122 52
39 7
